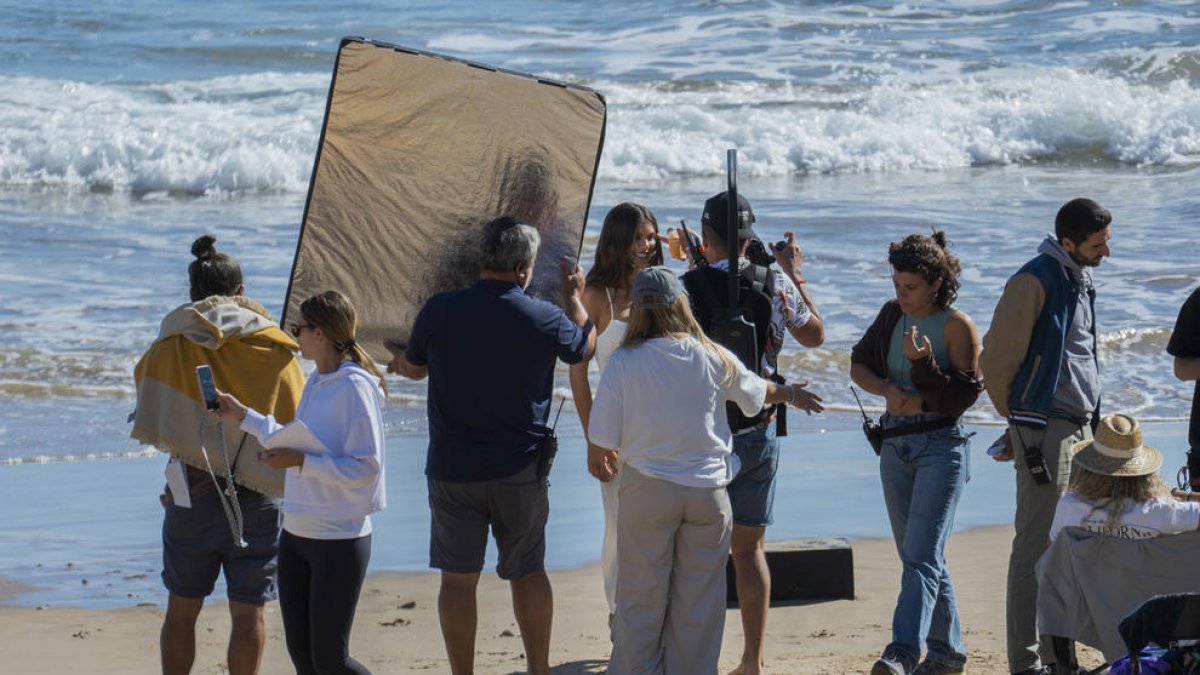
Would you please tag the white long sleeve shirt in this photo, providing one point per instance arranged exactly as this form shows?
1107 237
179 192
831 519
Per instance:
332 495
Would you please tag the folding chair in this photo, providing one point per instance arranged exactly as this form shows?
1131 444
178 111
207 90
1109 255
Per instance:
1089 582
1165 620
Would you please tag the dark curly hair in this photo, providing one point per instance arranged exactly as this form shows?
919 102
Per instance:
928 256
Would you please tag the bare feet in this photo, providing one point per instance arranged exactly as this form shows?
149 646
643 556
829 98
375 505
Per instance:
748 669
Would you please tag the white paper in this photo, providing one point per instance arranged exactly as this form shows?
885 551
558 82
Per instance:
297 436
177 483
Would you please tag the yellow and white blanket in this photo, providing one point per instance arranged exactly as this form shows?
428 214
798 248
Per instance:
251 358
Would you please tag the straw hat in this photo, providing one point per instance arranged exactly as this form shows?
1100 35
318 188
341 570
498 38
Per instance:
1117 449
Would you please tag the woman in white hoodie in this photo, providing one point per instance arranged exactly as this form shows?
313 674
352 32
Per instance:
328 496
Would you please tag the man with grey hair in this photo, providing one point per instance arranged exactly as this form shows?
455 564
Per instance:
490 351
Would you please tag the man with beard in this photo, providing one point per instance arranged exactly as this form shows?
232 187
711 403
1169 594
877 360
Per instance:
1041 371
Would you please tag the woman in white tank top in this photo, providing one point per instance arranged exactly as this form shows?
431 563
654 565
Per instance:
629 242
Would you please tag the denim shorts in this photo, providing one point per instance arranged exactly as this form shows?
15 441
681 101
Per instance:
752 491
515 507
198 545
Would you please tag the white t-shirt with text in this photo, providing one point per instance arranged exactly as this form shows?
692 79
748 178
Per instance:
1138 520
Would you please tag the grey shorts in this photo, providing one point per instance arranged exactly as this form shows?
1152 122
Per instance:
515 507
197 546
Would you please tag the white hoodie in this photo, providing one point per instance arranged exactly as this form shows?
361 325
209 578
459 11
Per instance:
343 409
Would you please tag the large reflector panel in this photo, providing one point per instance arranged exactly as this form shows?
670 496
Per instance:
417 152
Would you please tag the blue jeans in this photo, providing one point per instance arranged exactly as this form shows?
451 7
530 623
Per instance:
923 477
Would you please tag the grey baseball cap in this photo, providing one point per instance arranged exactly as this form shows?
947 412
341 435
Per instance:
656 285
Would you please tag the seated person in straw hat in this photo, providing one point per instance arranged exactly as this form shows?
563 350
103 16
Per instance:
1115 488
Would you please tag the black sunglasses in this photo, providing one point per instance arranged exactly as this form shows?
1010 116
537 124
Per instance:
901 261
297 327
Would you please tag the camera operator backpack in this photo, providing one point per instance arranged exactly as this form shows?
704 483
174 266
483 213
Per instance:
707 289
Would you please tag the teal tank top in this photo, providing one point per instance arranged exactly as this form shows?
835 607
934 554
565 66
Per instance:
933 326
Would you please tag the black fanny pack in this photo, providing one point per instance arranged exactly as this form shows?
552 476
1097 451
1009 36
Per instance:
919 427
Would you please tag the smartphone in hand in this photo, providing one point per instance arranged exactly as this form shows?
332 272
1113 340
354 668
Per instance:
208 388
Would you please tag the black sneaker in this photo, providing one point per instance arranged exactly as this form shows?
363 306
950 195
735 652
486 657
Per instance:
890 664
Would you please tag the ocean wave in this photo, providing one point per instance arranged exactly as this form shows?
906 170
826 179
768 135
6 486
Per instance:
258 133
1017 117
228 134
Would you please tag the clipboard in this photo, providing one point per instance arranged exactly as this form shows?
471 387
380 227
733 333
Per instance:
297 436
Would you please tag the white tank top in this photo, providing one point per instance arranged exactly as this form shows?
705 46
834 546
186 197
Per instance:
608 341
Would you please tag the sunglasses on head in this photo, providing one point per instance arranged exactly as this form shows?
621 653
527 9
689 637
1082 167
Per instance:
297 327
902 261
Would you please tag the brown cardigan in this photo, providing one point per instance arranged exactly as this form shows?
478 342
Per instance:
949 392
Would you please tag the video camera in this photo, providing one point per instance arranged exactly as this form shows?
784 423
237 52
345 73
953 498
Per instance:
757 252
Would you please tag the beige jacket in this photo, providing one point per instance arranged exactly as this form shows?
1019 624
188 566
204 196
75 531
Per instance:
1007 339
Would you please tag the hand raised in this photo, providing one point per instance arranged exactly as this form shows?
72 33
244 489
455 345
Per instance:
917 347
789 256
571 276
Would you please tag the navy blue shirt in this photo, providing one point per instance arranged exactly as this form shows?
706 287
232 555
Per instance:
491 351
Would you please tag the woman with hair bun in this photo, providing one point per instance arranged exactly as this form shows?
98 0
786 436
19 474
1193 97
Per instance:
220 514
328 497
922 356
212 273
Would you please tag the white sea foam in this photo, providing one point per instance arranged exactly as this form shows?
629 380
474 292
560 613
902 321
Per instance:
1018 117
259 132
91 456
239 133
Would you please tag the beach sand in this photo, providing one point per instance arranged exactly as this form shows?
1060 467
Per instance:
396 630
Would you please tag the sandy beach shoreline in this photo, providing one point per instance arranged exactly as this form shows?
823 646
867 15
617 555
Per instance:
396 629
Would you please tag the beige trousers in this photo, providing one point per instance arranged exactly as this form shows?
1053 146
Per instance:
1035 514
672 544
